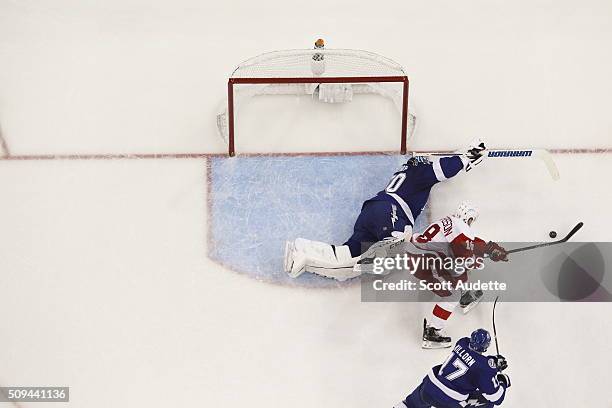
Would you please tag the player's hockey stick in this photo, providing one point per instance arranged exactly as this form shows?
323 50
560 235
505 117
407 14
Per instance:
494 329
541 154
545 244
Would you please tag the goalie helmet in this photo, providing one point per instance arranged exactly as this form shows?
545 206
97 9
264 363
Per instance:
467 211
480 340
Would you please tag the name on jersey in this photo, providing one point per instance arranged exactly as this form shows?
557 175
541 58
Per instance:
464 355
510 153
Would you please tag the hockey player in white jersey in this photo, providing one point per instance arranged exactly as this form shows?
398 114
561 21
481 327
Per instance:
452 237
385 220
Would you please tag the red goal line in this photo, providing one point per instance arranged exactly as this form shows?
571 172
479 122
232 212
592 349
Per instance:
148 156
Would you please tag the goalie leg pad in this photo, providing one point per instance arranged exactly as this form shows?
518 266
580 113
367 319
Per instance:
319 258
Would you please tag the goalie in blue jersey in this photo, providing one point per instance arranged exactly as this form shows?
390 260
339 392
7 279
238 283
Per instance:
466 379
385 220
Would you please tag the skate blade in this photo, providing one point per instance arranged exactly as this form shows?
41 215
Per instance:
432 345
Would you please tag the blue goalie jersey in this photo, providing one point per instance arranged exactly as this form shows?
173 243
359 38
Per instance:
463 373
410 186
401 202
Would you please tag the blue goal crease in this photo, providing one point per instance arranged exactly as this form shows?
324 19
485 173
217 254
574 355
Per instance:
259 202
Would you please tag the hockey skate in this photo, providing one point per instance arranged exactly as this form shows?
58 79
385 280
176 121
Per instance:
433 338
470 299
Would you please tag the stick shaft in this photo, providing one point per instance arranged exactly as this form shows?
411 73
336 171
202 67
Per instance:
545 244
541 154
494 328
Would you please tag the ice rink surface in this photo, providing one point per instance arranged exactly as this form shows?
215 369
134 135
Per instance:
112 280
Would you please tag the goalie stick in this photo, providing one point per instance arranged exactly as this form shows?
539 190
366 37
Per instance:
545 244
541 154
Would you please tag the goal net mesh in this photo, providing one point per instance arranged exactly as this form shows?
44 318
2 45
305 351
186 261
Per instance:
295 72
317 63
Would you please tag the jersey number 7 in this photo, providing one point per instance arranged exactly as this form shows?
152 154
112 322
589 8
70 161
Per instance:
460 368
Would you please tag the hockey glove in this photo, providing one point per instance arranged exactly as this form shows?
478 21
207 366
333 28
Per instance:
501 362
496 252
504 380
474 154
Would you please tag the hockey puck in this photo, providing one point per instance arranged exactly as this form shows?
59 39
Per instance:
552 234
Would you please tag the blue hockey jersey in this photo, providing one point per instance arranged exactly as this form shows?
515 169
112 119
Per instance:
464 372
409 187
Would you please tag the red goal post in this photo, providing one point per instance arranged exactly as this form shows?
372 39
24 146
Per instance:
301 72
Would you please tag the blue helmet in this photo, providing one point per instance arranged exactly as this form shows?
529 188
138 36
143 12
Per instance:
480 340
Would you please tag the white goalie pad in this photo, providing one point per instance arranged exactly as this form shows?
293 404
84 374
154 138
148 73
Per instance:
303 255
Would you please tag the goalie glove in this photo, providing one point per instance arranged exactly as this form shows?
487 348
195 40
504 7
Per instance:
504 380
496 252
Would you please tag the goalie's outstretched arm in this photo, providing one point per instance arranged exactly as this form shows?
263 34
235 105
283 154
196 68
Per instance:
444 168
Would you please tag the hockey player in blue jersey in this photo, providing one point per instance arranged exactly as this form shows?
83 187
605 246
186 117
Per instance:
466 379
385 219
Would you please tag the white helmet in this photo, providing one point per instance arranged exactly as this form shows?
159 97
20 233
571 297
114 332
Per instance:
467 211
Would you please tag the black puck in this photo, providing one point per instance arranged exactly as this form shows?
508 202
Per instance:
552 234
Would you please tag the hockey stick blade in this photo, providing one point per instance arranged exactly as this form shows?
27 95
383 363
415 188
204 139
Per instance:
546 157
545 244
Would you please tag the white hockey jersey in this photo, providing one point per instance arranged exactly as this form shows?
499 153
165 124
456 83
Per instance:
451 237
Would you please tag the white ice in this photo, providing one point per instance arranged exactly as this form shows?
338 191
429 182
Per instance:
105 285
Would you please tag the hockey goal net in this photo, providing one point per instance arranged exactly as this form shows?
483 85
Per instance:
328 75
